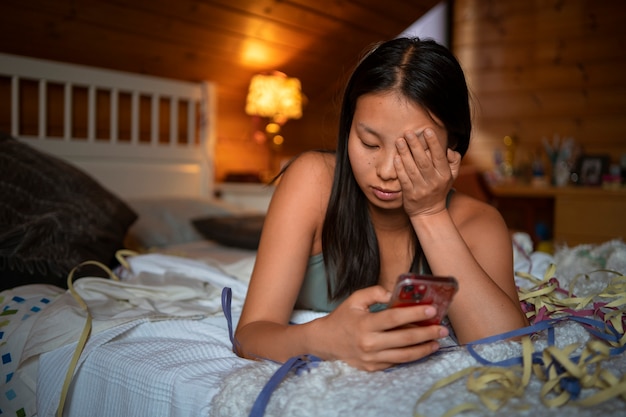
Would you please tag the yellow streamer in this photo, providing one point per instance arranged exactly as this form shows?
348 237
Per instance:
84 336
121 256
496 386
605 382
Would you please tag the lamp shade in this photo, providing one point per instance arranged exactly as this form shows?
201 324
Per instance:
275 96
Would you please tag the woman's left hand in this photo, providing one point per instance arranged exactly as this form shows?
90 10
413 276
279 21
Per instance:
426 172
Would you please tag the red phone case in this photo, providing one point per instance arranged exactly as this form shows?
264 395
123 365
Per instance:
413 289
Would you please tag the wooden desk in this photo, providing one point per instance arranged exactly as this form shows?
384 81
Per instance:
579 214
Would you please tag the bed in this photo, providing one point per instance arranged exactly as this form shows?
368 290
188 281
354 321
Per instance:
157 341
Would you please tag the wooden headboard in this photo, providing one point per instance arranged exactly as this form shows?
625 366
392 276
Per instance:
139 136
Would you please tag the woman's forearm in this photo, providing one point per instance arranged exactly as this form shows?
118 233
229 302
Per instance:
481 307
273 341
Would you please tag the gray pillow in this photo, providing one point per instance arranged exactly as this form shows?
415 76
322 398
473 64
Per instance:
242 231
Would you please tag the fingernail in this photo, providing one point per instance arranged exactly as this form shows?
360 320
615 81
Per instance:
428 132
430 311
443 332
400 143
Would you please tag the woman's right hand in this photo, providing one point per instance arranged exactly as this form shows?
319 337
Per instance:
426 170
375 341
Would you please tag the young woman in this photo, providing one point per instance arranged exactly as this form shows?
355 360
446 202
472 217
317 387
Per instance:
343 226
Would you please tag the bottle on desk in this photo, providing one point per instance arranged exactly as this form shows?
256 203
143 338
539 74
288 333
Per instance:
539 178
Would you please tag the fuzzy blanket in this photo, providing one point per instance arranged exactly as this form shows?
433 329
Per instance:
335 389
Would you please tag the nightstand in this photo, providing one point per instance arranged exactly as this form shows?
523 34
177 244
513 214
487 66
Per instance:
252 196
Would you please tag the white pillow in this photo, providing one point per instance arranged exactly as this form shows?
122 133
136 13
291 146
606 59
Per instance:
167 221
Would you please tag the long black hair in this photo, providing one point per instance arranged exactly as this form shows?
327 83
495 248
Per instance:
427 74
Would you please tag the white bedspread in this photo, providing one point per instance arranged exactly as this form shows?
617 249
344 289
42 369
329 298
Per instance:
147 368
168 365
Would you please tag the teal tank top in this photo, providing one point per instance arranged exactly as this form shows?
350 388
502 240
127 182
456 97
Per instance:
314 291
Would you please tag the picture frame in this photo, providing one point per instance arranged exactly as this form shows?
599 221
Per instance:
591 168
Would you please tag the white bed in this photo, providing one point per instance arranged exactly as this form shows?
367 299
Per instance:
159 344
162 154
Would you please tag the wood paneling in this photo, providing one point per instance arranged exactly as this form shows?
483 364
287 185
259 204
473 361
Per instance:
543 68
535 68
224 41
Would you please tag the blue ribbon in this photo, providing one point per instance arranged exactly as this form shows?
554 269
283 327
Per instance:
227 295
297 363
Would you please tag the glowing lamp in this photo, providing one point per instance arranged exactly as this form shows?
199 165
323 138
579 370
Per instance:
274 96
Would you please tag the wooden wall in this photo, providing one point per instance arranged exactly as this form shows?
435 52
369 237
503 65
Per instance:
223 41
536 68
539 68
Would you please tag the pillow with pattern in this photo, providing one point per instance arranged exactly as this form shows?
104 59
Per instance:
53 216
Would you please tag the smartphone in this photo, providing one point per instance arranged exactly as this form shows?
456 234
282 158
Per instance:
412 289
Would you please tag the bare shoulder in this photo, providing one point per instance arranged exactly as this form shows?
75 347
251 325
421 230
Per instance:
313 163
310 171
306 182
473 217
299 203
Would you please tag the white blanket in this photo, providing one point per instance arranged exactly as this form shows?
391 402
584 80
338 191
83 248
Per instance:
166 364
162 368
162 324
